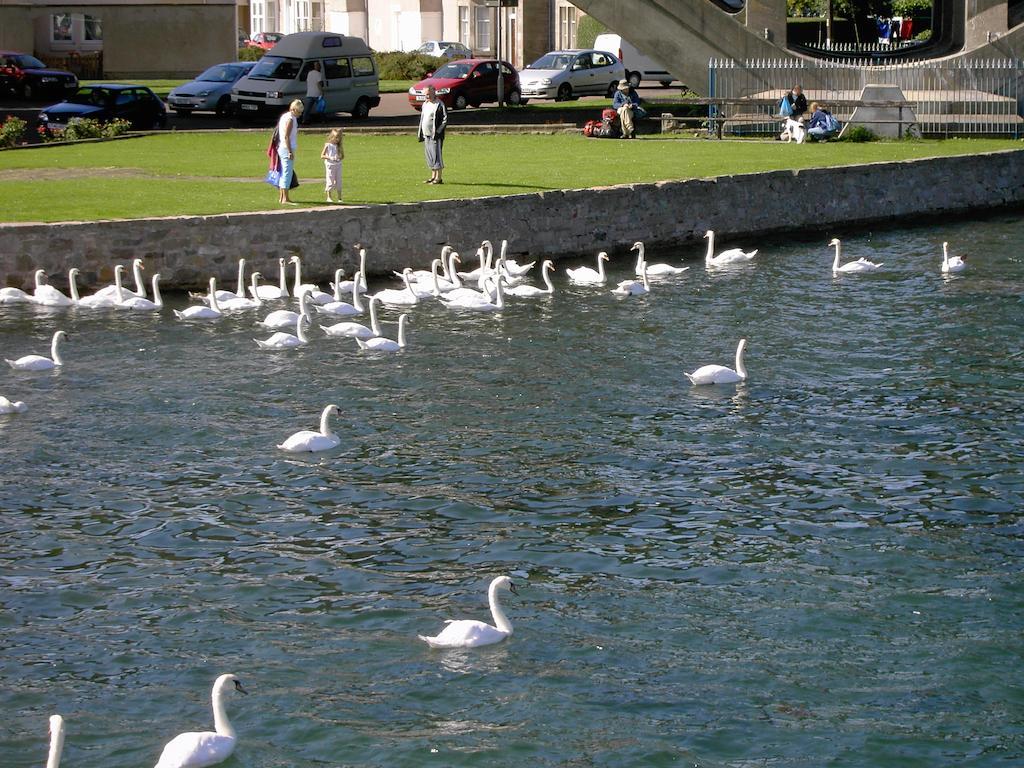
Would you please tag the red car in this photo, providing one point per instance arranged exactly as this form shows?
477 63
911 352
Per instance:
265 40
468 82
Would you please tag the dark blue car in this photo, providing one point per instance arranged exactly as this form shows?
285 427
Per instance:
134 103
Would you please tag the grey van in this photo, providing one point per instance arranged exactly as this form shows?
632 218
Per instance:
346 63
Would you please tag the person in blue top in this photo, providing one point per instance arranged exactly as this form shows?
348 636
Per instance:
822 125
627 103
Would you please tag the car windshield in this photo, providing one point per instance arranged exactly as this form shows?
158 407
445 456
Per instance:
28 62
454 71
425 48
221 74
276 68
552 61
95 97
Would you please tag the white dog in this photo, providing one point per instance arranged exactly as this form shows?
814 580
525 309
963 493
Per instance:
793 130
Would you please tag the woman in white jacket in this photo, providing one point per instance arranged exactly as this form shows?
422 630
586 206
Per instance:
433 121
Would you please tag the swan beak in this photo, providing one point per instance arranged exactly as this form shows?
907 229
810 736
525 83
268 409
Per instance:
240 689
513 589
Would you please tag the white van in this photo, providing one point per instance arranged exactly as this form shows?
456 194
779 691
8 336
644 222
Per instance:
346 63
638 66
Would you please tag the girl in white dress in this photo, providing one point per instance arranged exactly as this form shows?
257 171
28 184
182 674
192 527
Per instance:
332 156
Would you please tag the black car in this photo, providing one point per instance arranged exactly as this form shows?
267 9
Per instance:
135 103
28 77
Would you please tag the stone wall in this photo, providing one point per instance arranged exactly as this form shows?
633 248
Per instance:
571 223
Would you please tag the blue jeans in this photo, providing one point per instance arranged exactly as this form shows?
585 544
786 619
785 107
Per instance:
287 166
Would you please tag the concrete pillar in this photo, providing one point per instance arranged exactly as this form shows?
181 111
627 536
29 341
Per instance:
535 25
767 19
985 21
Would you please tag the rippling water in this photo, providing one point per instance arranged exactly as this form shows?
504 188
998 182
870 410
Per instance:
819 567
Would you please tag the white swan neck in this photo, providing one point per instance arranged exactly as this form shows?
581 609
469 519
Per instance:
740 368
945 255
73 287
240 281
647 284
500 302
39 278
298 276
55 349
434 266
140 284
213 295
600 267
325 419
545 273
157 298
119 287
500 619
300 330
453 274
374 325
282 277
711 245
408 286
401 331
357 300
362 261
221 724
337 284
56 742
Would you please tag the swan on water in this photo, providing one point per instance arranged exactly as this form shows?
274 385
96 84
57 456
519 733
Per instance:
478 302
200 749
38 362
237 303
139 304
343 308
483 270
639 287
653 270
272 292
860 265
445 284
357 330
348 285
285 318
308 441
56 741
95 301
400 297
469 633
532 291
14 296
380 344
719 374
202 312
222 295
318 296
588 276
952 263
427 275
110 291
730 256
282 340
11 406
47 295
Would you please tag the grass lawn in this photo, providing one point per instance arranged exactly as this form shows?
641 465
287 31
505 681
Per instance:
216 172
395 86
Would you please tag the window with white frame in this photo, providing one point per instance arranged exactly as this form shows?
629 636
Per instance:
483 27
257 16
303 15
566 27
60 28
464 25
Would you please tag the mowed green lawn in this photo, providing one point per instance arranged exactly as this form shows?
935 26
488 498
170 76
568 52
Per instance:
217 172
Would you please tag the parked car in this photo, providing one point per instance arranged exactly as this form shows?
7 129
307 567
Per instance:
445 50
349 73
468 82
28 77
211 91
563 75
638 65
135 103
265 40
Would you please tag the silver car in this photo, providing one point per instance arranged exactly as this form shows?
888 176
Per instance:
444 49
564 75
211 91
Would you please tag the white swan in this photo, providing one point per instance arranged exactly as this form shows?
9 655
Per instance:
532 291
952 264
47 295
282 340
653 270
110 291
730 256
201 749
285 318
634 287
427 275
11 406
56 741
271 292
223 295
483 270
95 301
139 304
356 330
445 284
308 441
343 308
478 302
14 296
469 633
38 362
860 265
348 285
380 344
202 312
299 288
399 297
588 276
242 302
719 374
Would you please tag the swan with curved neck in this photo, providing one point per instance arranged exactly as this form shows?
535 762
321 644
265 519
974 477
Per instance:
308 441
478 302
95 301
860 265
951 264
56 741
653 270
282 340
469 633
482 270
357 330
400 297
11 406
381 344
47 295
285 318
202 312
532 291
198 749
139 304
588 276
38 362
279 291
730 256
348 285
318 296
634 287
243 302
344 308
449 283
719 374
110 291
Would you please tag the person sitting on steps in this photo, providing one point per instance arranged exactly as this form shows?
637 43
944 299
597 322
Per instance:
626 103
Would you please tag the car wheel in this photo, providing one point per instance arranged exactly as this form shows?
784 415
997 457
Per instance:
515 98
475 104
460 102
523 102
27 92
634 79
224 106
182 112
361 111
564 92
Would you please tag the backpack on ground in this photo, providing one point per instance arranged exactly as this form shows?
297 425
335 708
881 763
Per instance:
608 129
831 124
590 127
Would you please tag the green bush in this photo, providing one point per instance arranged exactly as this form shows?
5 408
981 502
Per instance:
11 131
82 128
250 53
115 128
859 134
587 30
398 65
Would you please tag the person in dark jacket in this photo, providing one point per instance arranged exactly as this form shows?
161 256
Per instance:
626 102
818 128
433 121
797 102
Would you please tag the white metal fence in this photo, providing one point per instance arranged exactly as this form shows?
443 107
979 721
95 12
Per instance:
981 97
